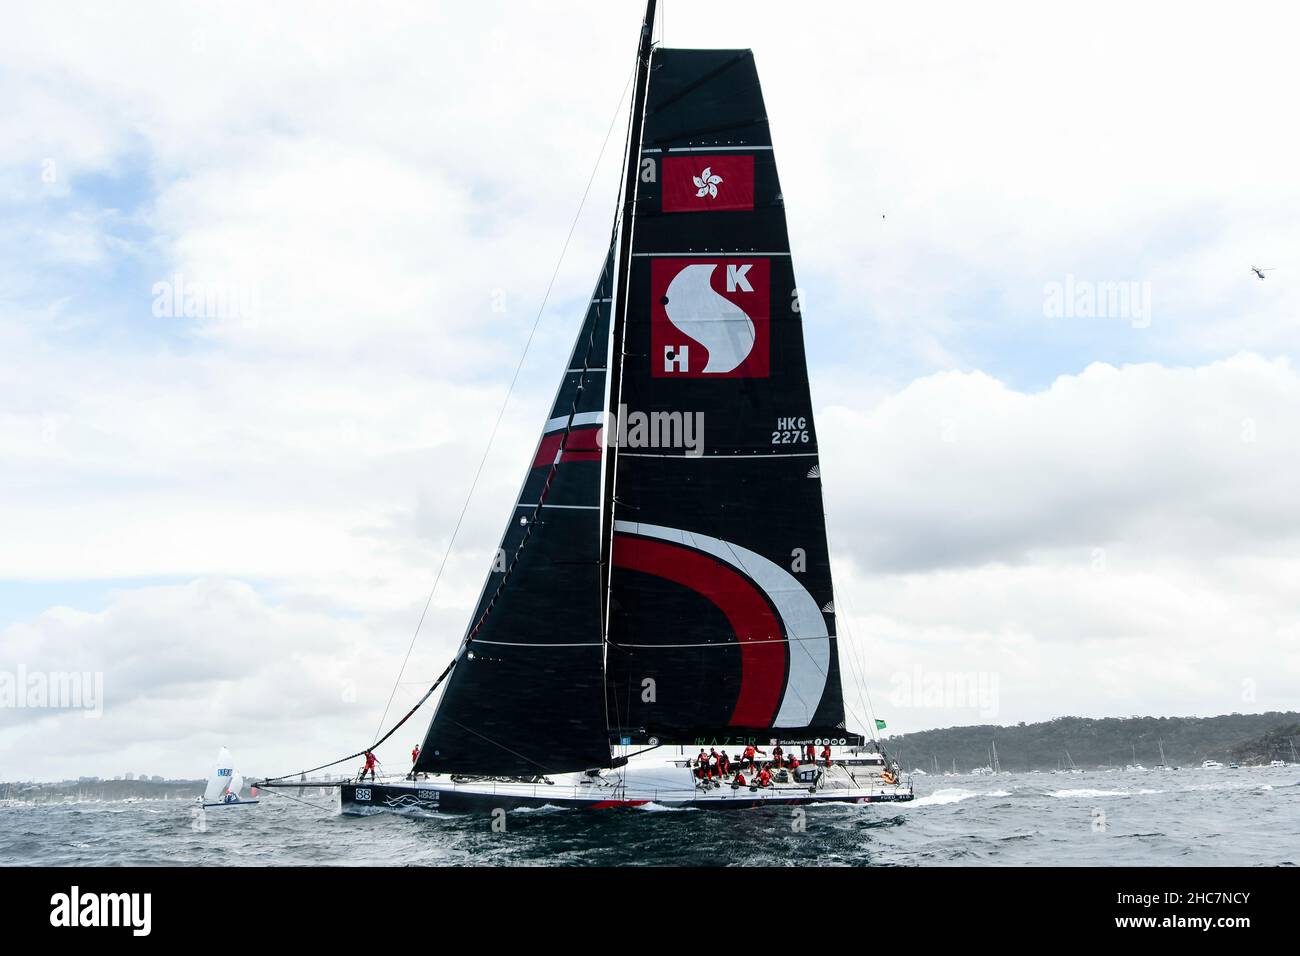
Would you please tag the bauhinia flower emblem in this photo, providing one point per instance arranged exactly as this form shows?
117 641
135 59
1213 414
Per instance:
706 183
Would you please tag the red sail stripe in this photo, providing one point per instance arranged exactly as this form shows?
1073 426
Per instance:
583 445
762 650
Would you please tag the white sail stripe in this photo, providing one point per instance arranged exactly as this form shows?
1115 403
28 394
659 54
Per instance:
720 645
582 418
571 507
801 615
478 641
719 253
642 454
670 150
599 371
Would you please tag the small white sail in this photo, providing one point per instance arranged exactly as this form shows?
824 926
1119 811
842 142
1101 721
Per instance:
221 777
236 784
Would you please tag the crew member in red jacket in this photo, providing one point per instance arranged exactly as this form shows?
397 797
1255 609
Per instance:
764 778
826 754
369 768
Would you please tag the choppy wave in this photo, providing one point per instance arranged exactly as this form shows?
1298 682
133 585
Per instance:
1010 819
953 795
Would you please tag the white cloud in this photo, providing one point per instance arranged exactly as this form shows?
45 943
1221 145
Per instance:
958 468
187 669
1123 541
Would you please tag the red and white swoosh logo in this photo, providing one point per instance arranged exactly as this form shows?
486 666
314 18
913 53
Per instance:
710 318
747 588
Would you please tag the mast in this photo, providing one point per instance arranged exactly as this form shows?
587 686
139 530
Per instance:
631 175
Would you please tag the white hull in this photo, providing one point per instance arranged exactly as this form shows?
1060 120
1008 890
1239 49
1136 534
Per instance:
662 784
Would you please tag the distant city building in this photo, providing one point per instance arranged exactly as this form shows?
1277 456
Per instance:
129 776
156 779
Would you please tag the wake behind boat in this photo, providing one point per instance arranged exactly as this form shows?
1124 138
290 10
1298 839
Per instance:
664 580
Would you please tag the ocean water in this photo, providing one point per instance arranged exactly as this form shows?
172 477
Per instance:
1245 817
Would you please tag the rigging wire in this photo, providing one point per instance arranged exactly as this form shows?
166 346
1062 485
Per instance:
864 693
741 564
492 436
307 803
506 402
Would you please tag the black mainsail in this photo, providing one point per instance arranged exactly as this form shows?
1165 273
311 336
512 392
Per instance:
665 577
721 623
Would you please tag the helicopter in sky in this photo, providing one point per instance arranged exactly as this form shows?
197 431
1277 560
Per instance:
1260 272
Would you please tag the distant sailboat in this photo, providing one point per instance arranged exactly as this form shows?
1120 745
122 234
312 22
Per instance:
1164 764
1135 765
224 785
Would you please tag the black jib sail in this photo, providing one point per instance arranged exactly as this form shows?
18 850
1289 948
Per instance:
526 695
721 624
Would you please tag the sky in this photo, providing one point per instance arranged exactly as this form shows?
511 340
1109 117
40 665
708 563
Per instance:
231 519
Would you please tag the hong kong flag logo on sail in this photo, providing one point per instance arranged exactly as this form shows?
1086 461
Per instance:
710 318
696 183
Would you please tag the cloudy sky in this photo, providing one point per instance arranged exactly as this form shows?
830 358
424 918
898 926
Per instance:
235 517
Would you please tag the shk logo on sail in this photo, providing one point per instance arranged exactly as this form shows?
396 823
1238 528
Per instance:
710 318
74 909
